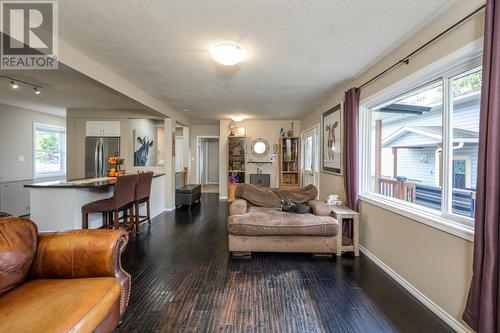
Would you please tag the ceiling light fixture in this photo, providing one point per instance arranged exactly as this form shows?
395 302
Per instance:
37 91
14 84
238 118
227 53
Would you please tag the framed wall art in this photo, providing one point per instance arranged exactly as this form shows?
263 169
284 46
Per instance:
332 140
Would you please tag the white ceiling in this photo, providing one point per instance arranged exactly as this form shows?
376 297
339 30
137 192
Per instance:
62 89
300 50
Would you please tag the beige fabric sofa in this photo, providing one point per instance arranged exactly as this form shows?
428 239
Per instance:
259 229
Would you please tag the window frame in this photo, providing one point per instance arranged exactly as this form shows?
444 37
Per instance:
50 128
444 219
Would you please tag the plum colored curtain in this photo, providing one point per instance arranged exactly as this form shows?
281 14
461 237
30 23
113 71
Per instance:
351 138
482 311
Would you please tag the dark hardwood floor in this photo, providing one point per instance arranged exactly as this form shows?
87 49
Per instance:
184 281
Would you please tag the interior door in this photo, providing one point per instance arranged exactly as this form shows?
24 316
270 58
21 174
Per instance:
310 156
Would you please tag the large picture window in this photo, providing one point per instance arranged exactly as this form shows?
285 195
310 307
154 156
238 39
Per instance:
423 147
49 150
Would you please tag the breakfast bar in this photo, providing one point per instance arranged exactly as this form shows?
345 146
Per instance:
57 205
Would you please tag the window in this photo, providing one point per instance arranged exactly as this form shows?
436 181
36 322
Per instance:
49 150
422 148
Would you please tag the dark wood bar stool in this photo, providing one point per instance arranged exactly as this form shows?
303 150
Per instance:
123 199
142 193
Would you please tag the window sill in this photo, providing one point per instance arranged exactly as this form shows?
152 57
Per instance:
421 215
48 175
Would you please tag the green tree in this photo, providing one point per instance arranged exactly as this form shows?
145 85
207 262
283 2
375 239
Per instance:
469 83
47 141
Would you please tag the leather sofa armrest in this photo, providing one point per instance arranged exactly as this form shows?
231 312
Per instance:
238 206
320 208
83 254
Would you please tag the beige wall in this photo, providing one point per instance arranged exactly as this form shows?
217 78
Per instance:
16 139
160 134
437 263
266 129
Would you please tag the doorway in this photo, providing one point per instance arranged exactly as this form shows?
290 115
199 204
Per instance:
310 156
208 164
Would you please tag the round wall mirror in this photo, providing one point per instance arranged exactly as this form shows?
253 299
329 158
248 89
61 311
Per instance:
260 147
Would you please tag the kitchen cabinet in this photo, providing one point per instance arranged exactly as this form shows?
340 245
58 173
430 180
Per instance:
102 128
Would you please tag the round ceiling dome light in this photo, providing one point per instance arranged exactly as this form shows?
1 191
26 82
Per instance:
227 53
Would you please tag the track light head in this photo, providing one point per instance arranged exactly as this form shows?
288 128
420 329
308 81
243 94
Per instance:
14 84
37 91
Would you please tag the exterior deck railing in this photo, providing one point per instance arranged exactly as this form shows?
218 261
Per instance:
397 189
463 200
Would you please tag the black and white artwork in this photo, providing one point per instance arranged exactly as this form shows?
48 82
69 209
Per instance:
144 145
142 150
331 133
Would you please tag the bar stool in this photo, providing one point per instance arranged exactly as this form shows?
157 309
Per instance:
123 199
142 193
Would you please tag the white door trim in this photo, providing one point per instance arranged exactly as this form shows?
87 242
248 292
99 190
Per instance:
198 142
316 157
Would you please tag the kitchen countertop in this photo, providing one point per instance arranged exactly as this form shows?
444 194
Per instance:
90 183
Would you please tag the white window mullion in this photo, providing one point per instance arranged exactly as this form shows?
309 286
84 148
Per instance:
446 197
365 150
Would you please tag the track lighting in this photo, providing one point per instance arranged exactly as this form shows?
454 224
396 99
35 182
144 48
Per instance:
15 83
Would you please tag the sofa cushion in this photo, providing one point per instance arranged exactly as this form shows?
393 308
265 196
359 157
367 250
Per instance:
18 239
270 222
58 305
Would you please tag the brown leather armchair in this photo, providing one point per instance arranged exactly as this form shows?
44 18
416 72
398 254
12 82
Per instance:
61 282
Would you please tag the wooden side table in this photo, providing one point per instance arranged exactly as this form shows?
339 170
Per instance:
341 213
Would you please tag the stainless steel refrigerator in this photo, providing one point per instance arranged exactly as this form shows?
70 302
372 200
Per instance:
97 151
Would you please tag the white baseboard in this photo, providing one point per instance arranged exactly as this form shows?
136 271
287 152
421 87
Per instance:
169 209
222 198
446 317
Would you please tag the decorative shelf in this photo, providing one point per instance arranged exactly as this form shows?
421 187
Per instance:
236 164
289 162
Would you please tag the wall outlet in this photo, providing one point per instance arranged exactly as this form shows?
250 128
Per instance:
20 158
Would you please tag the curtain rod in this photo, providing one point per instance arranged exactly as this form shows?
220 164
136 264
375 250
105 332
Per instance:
406 60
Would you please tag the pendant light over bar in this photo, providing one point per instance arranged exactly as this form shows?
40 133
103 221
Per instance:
15 83
406 60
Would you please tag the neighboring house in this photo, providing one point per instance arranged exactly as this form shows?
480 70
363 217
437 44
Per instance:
411 153
419 154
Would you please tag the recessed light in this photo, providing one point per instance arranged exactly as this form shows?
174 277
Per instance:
185 110
227 53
